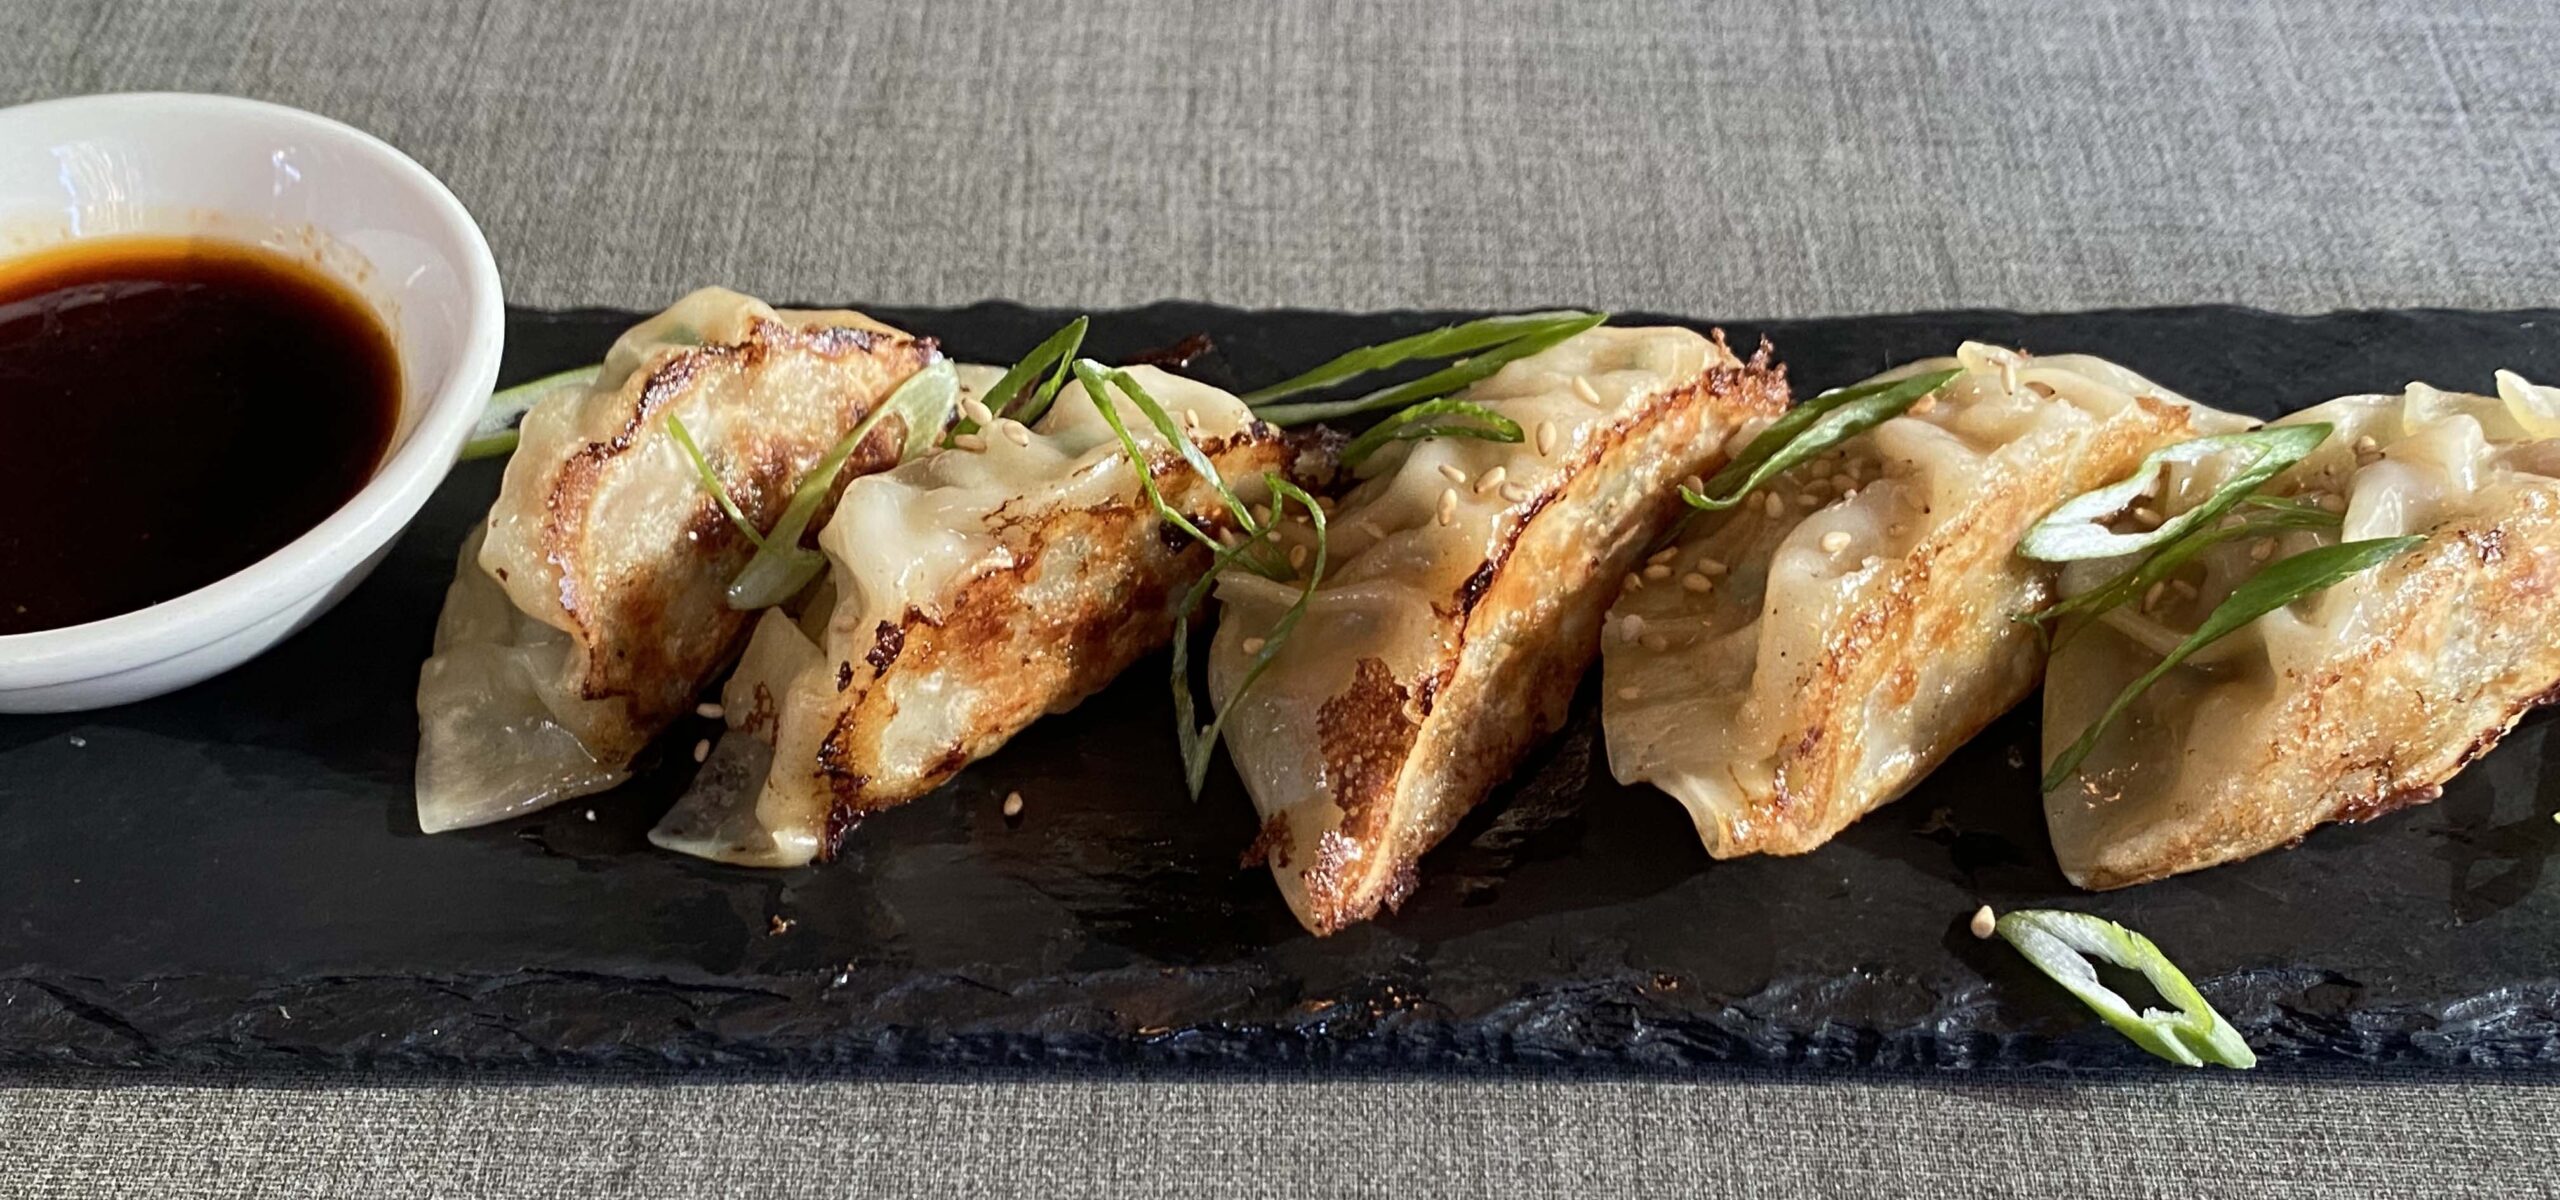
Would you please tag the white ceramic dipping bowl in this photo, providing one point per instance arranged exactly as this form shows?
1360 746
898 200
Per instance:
310 188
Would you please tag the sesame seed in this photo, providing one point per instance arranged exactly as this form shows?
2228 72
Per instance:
1546 438
1663 555
2331 502
1835 541
1894 530
1695 582
2146 515
1261 513
1490 480
702 750
591 814
1631 692
1635 582
1013 804
1656 642
1515 493
2366 445
2262 550
1710 567
1984 923
2184 589
1449 506
2151 598
1808 499
1844 482
1658 572
1453 474
2008 374
1630 627
1695 484
1191 420
1254 645
1776 507
1298 557
976 410
1924 405
969 441
710 711
1589 394
1014 431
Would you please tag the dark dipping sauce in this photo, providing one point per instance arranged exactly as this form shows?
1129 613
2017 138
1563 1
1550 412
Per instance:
175 410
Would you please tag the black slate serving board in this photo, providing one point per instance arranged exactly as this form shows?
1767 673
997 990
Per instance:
233 874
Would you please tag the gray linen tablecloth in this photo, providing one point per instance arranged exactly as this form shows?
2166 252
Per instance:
1760 160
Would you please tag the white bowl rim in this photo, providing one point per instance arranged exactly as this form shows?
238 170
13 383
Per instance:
368 520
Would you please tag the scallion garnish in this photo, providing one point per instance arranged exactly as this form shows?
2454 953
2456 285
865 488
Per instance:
782 566
1200 742
1098 383
710 480
2077 529
494 435
2281 583
1448 341
1008 398
1807 430
2060 944
1431 419
1523 336
2279 516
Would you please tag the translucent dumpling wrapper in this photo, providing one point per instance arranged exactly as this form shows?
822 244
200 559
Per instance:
592 609
976 590
1795 662
2351 702
1462 605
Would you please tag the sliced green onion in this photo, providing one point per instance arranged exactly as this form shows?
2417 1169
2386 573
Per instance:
1199 742
1430 419
1098 384
1546 333
2077 528
1448 341
2161 564
2281 583
2060 944
711 481
494 434
782 566
1051 355
1802 433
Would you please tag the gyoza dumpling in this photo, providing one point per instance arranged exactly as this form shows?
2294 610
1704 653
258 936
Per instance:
590 610
1791 664
2351 702
977 590
1462 605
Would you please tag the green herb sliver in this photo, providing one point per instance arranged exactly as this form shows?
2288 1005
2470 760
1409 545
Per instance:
1448 341
1008 398
1431 419
1200 742
2060 944
782 566
2281 583
1544 334
2277 517
2076 529
1802 433
710 481
495 434
1097 385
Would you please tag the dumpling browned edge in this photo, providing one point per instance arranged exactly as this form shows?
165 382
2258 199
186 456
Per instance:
1407 762
636 646
2373 732
1016 660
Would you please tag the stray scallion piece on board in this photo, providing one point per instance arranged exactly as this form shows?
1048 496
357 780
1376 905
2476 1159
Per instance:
1255 549
494 434
2281 583
1488 344
2077 529
782 566
1014 394
2060 944
1807 430
1431 419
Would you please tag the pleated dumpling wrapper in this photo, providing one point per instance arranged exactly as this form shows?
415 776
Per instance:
1792 663
590 610
975 591
2350 702
1461 605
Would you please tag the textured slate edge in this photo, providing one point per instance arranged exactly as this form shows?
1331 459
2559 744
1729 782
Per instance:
587 1020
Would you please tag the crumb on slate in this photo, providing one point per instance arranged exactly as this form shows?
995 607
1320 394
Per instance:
1013 804
776 926
1984 923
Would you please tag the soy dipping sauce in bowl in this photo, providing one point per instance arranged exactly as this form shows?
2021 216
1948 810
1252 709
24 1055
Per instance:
177 408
